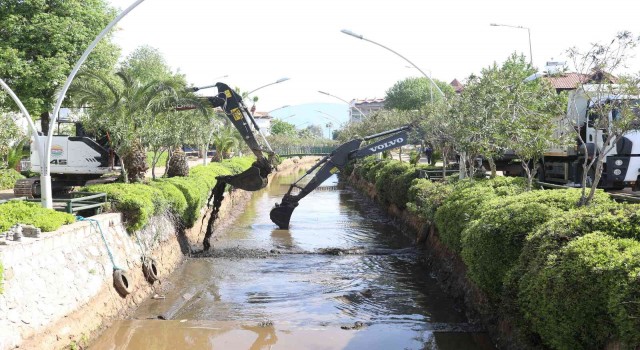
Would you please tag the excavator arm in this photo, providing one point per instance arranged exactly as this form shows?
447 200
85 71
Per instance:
255 177
331 164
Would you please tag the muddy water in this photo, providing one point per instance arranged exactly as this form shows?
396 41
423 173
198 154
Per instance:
342 277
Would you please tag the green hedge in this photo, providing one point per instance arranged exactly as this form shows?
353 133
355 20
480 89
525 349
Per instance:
23 212
549 252
184 196
137 202
464 204
426 196
393 181
8 178
586 294
492 243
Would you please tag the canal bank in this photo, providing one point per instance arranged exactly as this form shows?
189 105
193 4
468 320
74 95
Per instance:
342 277
59 288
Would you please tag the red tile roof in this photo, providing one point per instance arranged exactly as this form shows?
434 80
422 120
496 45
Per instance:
367 100
568 81
457 86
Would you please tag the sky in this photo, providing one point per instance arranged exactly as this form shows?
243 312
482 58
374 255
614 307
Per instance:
256 42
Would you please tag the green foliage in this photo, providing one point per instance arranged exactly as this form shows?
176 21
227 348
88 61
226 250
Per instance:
136 202
426 196
162 158
463 206
492 243
174 196
393 181
8 178
415 93
41 41
587 294
22 212
279 127
184 196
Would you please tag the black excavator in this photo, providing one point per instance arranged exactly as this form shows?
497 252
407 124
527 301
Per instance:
331 164
252 179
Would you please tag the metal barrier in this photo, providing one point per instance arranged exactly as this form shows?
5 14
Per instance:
304 150
79 201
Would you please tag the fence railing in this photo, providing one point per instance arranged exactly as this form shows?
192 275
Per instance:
303 150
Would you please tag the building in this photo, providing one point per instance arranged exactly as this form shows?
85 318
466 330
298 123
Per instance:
366 106
263 119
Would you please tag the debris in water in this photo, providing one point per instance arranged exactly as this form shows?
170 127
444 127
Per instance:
355 325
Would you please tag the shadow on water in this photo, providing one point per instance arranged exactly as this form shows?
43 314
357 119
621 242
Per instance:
343 277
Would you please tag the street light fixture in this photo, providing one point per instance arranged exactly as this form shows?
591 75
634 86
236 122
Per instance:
285 106
519 27
263 86
359 36
345 101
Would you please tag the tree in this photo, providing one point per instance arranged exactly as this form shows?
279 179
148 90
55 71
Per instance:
40 41
415 93
279 127
225 140
311 131
612 111
124 109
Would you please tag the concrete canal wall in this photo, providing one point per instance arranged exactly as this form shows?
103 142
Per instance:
59 288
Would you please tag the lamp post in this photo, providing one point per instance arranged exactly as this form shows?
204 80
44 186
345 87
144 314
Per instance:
345 101
519 27
359 36
46 195
263 86
273 110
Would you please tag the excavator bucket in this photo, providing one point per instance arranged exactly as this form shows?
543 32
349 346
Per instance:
248 180
281 214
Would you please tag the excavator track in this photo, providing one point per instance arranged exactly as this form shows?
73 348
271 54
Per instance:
27 187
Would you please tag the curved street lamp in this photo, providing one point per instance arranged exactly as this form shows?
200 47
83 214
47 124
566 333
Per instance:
359 36
345 101
46 195
519 27
264 86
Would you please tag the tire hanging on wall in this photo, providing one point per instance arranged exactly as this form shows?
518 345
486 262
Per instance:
121 282
150 270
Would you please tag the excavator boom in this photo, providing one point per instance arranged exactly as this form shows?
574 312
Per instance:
331 164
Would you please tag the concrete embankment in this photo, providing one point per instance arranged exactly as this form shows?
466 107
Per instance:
59 288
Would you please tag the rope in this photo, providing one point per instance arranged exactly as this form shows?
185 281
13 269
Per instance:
104 239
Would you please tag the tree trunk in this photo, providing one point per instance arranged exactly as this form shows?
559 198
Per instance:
136 162
492 166
178 164
45 120
462 166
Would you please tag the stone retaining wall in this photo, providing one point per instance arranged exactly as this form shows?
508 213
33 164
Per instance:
58 289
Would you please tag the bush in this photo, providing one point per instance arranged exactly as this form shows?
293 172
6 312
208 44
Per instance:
393 181
492 243
587 294
22 212
174 196
8 178
463 205
136 202
185 196
425 197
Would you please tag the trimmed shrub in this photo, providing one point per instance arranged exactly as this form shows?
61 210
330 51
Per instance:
8 178
426 196
393 181
22 212
174 196
463 205
587 294
136 202
195 195
492 243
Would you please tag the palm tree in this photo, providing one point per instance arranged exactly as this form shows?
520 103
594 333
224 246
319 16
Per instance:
122 106
225 140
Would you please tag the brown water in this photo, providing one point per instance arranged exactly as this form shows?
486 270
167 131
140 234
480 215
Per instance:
342 277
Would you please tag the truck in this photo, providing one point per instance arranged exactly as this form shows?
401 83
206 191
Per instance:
562 163
75 161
